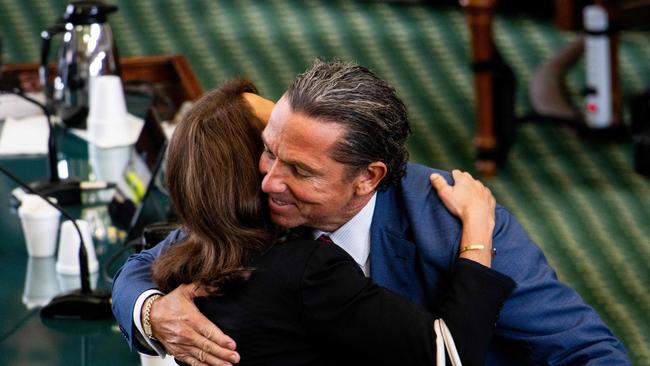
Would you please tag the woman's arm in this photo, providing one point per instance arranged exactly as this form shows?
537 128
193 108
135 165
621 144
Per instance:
473 203
359 319
386 328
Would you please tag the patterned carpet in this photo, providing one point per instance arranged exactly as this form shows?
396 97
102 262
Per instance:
579 199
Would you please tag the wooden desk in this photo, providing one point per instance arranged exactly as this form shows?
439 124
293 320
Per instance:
28 283
171 75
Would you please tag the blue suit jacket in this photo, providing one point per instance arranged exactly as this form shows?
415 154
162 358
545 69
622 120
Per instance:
414 243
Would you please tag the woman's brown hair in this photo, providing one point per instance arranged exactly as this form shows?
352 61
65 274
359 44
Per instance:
214 184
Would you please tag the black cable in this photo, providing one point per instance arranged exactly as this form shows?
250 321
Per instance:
6 87
110 261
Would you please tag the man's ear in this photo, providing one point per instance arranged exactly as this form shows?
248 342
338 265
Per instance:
369 178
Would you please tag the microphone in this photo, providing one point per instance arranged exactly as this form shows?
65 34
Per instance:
84 303
69 186
66 192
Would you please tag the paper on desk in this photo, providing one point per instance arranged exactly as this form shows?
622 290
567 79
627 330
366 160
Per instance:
24 136
13 106
130 137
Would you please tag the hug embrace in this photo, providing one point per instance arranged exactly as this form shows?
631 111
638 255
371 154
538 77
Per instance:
411 254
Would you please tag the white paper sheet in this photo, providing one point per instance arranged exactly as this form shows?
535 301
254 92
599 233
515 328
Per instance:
13 106
25 136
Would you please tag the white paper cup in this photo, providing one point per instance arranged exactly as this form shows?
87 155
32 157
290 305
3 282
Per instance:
107 121
68 257
106 98
40 282
40 222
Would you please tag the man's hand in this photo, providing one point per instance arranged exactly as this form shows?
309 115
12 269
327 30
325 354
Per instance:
186 333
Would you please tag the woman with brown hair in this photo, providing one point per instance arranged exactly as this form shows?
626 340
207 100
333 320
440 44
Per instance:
291 301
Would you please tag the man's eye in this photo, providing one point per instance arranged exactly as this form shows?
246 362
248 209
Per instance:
268 153
301 172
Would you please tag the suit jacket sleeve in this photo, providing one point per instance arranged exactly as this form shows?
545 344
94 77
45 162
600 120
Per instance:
544 318
130 281
544 314
360 318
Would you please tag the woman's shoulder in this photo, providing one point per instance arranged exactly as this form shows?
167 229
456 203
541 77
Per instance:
305 249
300 255
297 250
290 256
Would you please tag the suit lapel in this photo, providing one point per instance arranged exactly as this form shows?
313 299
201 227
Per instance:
392 253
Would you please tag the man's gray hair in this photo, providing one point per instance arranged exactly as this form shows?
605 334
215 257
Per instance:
375 118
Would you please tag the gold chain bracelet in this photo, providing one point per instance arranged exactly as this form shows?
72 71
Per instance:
146 322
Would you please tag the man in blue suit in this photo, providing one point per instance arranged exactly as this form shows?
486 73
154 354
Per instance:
335 162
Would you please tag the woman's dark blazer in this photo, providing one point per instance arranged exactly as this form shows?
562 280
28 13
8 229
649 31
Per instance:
308 303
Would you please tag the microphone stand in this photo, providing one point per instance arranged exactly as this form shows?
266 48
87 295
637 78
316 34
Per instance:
67 191
84 303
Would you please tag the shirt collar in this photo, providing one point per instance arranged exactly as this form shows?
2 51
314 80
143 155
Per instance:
354 235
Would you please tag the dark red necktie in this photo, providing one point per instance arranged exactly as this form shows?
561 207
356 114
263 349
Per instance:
325 239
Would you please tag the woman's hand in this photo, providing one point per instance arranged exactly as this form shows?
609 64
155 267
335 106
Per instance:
473 203
467 199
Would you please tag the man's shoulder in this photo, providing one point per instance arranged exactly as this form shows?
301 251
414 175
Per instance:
417 175
411 166
415 189
415 183
411 198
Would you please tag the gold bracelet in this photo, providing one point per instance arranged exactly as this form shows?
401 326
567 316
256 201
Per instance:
146 323
472 247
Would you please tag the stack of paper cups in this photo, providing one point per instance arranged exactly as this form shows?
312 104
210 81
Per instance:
107 116
40 222
68 257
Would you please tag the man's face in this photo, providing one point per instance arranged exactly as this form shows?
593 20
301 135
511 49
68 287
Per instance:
305 185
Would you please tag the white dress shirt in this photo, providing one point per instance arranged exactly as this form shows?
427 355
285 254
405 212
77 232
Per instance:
137 320
353 237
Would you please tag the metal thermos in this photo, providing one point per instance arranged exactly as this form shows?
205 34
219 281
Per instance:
86 50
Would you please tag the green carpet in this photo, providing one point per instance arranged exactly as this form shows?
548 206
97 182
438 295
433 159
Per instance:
579 199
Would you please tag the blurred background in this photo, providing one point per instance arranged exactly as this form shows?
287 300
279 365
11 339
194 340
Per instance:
579 197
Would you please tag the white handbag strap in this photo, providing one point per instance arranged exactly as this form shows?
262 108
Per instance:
440 344
444 339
